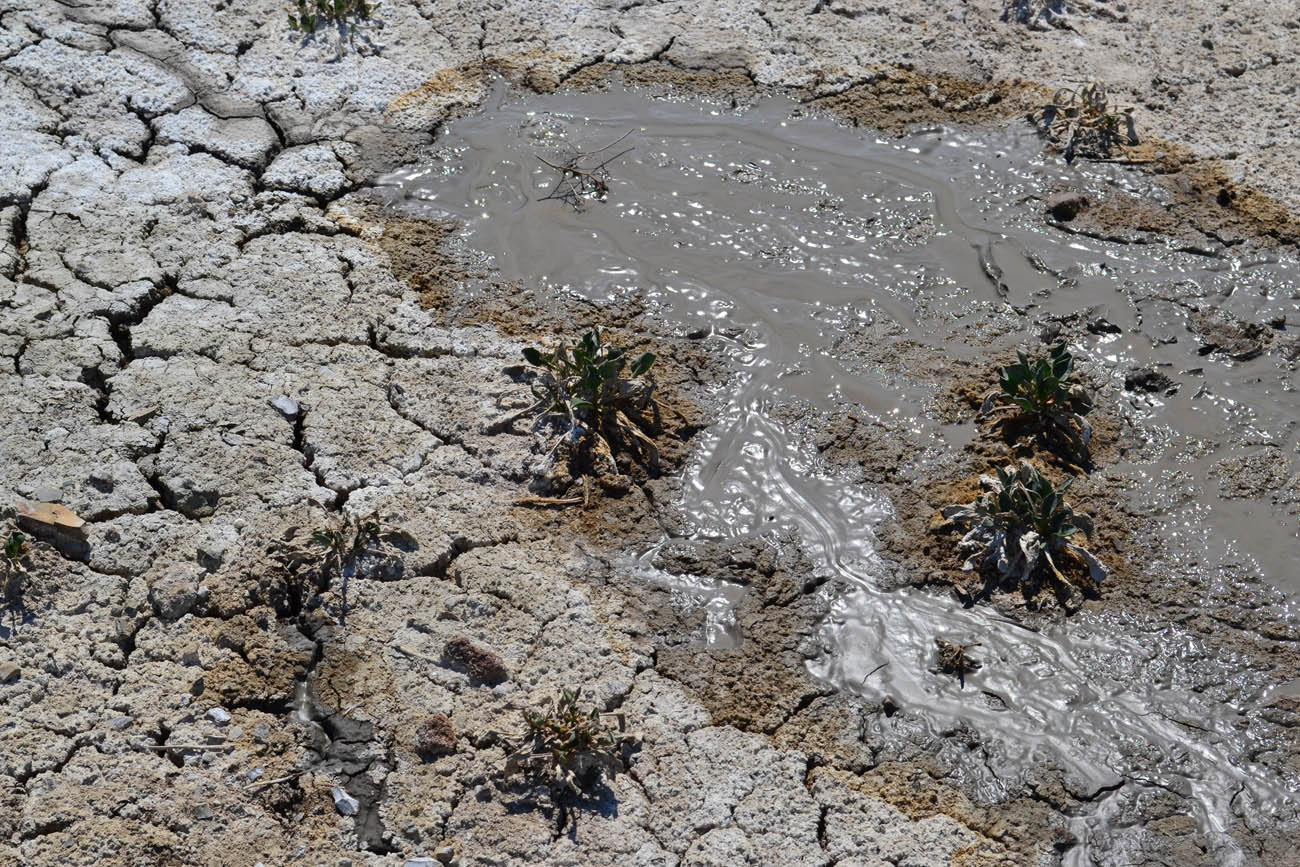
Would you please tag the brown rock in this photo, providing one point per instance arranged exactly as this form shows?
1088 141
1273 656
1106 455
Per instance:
436 737
481 665
9 671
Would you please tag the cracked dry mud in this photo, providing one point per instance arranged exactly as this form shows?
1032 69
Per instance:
214 339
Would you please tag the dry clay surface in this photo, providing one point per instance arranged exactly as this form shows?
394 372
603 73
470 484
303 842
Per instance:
206 353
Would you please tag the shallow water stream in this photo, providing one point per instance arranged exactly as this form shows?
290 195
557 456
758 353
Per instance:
793 237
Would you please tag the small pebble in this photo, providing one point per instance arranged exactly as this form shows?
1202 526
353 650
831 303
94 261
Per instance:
202 812
9 671
121 722
211 555
343 802
286 405
445 853
219 715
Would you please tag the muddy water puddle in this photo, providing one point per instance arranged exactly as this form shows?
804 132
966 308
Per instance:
796 242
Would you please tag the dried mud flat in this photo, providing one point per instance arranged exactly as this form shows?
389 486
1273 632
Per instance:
220 342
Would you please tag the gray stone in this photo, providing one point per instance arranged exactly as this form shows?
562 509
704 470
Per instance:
173 594
343 802
219 715
287 406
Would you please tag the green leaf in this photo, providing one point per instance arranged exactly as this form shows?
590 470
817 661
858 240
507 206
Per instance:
607 371
641 366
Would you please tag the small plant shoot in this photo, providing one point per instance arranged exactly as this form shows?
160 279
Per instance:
568 747
331 555
344 14
15 549
1038 397
1081 121
601 394
341 544
12 568
1019 530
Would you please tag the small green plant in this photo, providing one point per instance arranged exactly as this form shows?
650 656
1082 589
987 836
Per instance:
342 542
15 550
1018 529
1081 121
331 555
602 396
312 14
12 568
568 747
1040 396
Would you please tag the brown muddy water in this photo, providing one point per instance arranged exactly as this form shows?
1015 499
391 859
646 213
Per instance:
796 240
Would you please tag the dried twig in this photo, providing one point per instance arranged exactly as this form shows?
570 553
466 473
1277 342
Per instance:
577 184
953 659
874 670
262 784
